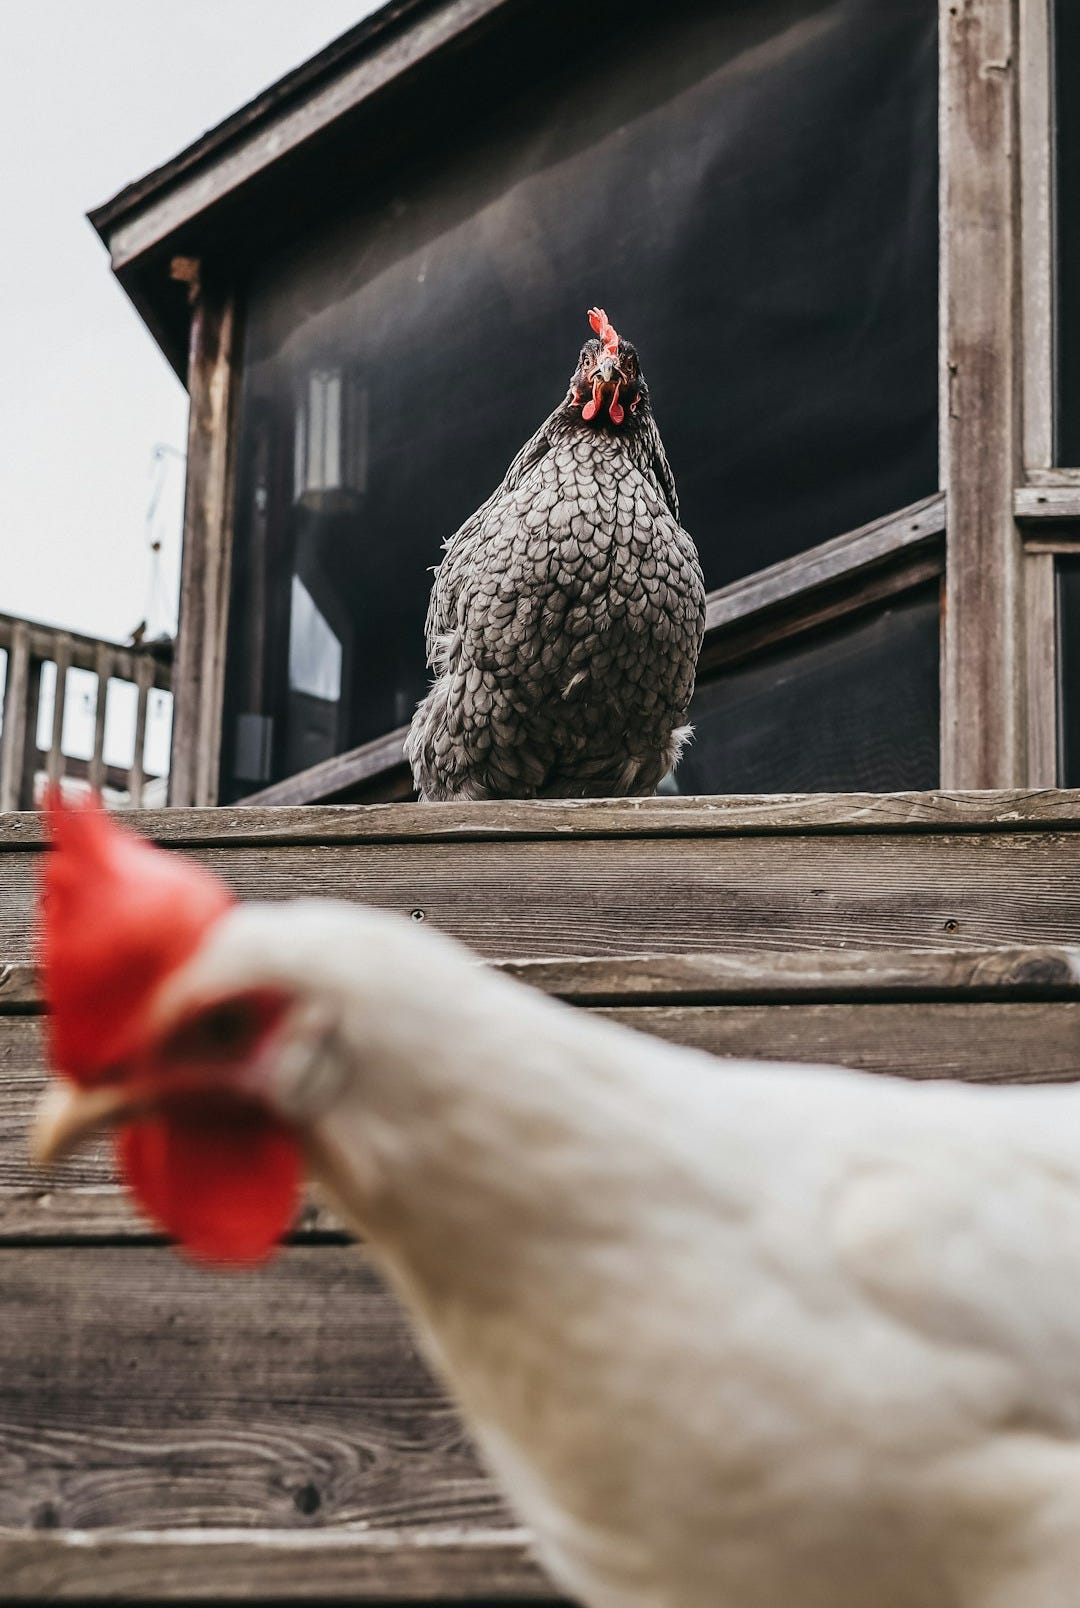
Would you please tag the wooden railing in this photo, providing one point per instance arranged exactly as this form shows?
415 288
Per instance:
23 765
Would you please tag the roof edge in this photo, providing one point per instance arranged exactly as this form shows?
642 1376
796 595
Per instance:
269 103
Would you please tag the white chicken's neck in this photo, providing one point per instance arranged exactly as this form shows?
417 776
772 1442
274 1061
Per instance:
467 1110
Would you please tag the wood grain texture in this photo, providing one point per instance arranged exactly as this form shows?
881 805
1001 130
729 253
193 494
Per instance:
14 730
522 898
760 977
199 677
1044 504
54 763
982 727
1036 96
139 1391
1041 649
488 1569
754 975
739 814
983 1043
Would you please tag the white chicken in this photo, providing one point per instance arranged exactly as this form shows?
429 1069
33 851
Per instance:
729 1335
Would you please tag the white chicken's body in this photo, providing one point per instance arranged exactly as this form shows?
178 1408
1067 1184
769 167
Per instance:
730 1335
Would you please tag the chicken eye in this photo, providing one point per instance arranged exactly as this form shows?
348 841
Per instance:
222 1032
227 1027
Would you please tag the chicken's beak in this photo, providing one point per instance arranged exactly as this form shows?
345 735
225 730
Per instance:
68 1116
607 372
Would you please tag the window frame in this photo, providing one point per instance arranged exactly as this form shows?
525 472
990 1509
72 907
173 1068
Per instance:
1008 506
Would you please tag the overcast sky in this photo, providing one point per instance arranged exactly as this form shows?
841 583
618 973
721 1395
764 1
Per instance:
94 93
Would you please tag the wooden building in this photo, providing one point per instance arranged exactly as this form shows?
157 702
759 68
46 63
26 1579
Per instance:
845 237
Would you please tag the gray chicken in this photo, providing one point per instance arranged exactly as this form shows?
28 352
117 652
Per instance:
566 618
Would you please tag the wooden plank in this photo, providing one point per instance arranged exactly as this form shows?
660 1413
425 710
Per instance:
1041 675
83 650
1035 89
539 820
467 1565
296 1399
178 197
760 977
54 765
754 976
199 676
1043 504
103 669
144 675
376 768
1060 475
822 607
982 672
19 988
14 734
840 559
983 1043
30 756
523 899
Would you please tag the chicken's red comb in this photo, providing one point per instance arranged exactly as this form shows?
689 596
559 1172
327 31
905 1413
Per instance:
118 916
608 338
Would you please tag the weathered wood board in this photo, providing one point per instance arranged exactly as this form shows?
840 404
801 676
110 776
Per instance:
514 880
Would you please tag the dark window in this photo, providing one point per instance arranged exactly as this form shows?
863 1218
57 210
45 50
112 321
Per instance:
851 709
1068 575
1067 118
752 198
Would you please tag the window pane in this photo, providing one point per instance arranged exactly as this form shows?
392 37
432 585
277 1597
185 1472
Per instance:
778 275
1067 117
852 709
1068 573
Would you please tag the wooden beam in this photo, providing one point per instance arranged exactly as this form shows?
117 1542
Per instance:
843 559
54 764
755 976
1023 810
982 725
809 976
615 893
30 763
1041 678
102 668
13 738
1035 86
1041 505
83 650
199 676
459 1564
137 779
375 772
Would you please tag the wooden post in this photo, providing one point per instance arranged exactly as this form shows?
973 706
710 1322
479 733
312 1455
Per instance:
144 675
199 673
13 737
982 728
54 765
102 668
